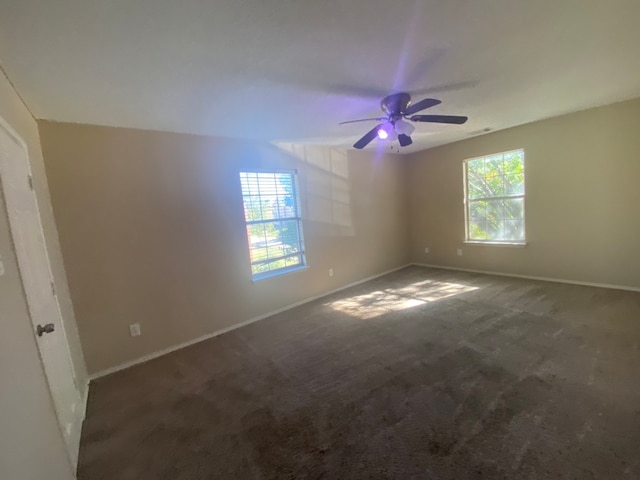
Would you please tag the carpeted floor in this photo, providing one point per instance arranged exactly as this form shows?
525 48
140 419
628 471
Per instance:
421 374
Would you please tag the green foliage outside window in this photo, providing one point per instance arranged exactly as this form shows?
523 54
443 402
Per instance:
273 221
495 198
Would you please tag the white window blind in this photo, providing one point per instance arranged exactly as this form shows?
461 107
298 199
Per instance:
274 224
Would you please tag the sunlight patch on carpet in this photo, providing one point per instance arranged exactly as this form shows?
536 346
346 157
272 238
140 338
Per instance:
380 302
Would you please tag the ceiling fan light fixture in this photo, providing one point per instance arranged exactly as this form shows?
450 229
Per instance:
403 127
385 131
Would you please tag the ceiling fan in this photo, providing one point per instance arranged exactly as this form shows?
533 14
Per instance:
398 109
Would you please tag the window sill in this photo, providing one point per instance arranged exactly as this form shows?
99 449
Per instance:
278 273
496 244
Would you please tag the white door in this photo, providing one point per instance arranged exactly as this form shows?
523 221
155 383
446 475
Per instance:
35 270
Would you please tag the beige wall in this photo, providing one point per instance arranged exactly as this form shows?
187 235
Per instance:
32 447
582 220
152 231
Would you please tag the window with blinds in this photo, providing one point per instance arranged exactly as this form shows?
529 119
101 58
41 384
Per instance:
494 198
274 224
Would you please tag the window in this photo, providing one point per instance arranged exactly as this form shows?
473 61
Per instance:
274 225
494 198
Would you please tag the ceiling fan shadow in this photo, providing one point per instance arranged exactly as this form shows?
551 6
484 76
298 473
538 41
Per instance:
448 87
424 68
356 91
375 92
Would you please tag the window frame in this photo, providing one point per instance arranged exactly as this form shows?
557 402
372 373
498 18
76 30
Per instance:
297 218
467 201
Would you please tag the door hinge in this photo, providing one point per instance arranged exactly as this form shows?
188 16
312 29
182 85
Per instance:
30 180
53 288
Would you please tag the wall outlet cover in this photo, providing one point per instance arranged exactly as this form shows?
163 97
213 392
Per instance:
459 252
426 250
134 329
331 272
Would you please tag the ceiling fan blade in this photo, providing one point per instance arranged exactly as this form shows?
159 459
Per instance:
421 105
364 141
404 140
379 119
439 119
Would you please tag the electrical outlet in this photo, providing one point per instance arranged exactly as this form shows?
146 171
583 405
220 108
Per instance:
426 249
459 252
134 329
1 267
331 272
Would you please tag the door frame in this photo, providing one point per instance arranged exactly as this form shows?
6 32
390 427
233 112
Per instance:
72 451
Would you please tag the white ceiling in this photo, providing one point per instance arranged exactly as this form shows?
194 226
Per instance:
290 70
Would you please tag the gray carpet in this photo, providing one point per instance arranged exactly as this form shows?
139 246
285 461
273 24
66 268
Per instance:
421 374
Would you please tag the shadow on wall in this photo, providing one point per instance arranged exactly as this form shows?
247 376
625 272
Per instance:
325 185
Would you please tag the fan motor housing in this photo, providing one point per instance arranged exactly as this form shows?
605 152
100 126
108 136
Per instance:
393 105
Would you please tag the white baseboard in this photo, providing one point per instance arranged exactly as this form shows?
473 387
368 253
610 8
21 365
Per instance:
531 277
202 338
